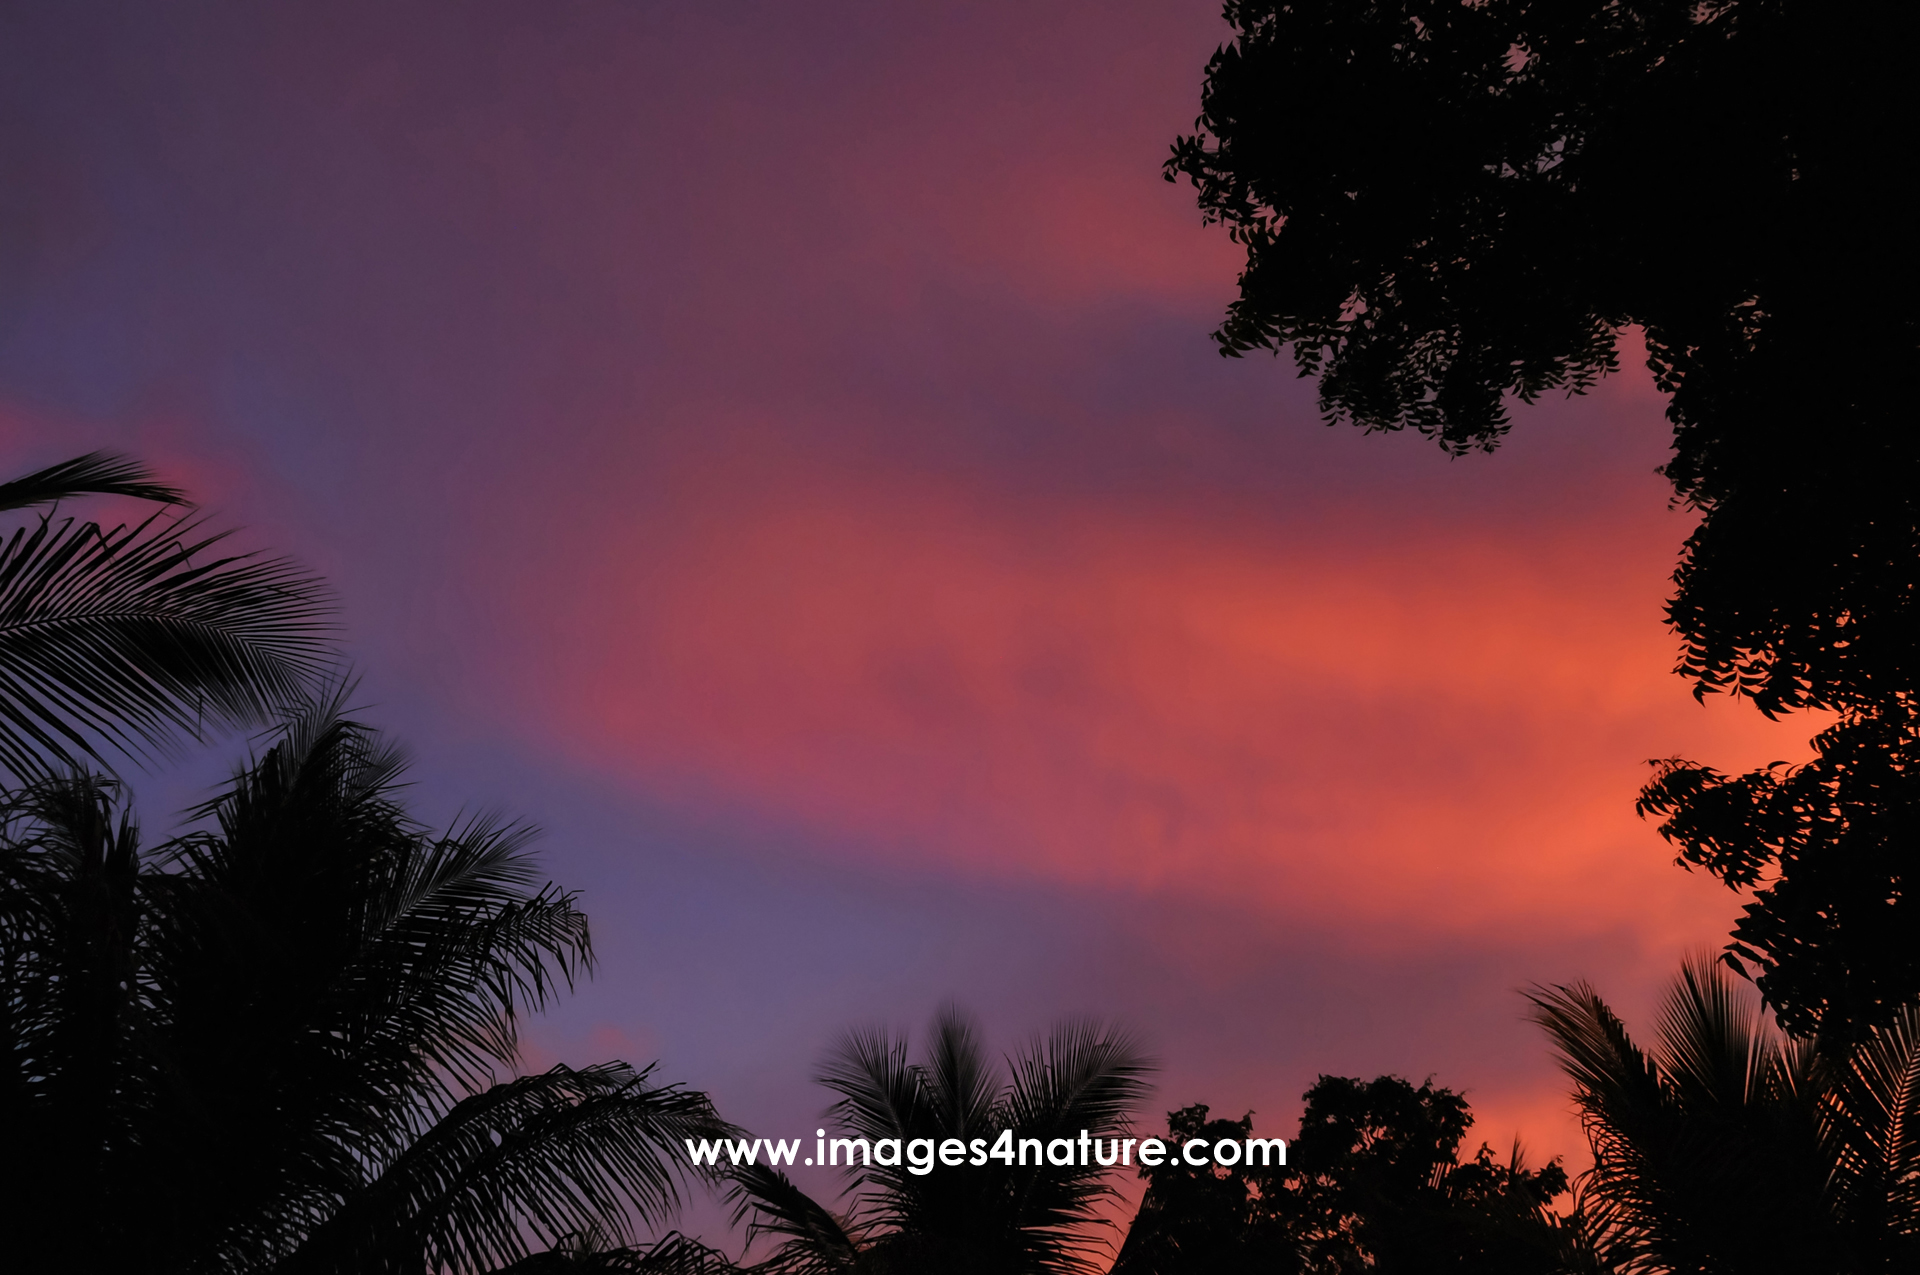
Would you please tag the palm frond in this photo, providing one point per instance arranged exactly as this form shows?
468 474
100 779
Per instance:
1705 1148
589 1254
671 1254
73 1000
1083 1075
880 1093
132 636
1033 1218
1713 1044
458 949
813 1240
95 474
348 977
529 1162
958 1084
262 1046
1870 1107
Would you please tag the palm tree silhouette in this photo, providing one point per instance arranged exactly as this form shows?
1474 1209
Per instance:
273 1043
1031 1219
1729 1147
133 635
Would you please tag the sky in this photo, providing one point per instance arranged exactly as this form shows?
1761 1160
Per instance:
777 449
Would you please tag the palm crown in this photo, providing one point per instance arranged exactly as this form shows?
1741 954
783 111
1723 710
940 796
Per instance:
1727 1146
995 1217
273 1042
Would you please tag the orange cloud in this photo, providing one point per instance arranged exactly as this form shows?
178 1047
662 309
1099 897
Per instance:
1426 732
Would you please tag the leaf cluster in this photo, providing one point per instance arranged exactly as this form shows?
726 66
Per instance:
1726 1147
1445 203
274 1042
1015 1219
126 637
1374 1181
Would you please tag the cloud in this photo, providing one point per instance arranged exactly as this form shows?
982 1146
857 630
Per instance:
1422 734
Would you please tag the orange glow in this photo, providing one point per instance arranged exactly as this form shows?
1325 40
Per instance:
1425 735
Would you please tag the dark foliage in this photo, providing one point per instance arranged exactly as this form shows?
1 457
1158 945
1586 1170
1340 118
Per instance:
1828 849
95 474
1203 1221
987 1219
132 636
1725 1147
672 1254
1373 1182
1445 202
272 1043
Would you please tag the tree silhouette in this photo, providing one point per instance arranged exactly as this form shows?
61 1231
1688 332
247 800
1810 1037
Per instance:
984 1219
1826 848
1373 1182
1444 203
1206 1220
131 636
272 1043
1727 1148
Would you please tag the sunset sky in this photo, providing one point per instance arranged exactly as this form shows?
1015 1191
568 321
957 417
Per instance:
777 449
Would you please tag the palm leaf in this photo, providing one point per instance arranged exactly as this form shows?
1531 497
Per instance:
880 1094
671 1254
134 635
1030 1218
1870 1107
95 474
72 999
1706 1151
1713 1045
955 1079
529 1162
1081 1076
348 977
274 1042
813 1240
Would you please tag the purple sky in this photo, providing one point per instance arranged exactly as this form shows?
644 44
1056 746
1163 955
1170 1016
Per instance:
778 450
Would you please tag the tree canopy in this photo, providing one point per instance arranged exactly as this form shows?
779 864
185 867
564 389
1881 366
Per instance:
1444 203
1374 1181
1826 849
1448 203
275 1041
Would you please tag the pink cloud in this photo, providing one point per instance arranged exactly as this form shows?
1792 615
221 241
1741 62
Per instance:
1425 734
